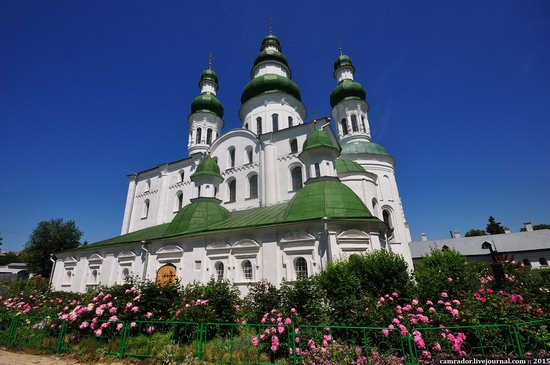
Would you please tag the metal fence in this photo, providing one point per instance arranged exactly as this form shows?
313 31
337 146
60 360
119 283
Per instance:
233 343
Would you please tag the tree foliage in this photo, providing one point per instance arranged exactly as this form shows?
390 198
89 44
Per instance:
9 257
475 232
47 238
494 227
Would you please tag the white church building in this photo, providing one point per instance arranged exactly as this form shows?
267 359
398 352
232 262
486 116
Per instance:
273 200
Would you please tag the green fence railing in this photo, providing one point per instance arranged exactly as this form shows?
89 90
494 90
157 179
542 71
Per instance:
235 343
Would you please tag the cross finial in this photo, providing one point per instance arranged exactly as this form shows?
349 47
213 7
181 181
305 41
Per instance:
210 60
339 46
270 27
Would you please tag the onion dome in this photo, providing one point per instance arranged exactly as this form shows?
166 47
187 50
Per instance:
271 40
317 139
209 75
348 167
326 197
207 167
270 55
347 90
358 147
270 83
199 215
343 60
207 102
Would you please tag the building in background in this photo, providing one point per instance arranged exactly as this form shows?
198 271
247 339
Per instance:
275 199
530 248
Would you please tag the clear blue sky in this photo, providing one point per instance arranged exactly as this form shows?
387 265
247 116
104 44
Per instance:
91 91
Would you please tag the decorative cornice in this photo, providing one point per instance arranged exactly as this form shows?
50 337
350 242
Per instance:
246 167
147 193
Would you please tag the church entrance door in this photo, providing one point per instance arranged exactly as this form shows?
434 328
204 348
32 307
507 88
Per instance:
166 275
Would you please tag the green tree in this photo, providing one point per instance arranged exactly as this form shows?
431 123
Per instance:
475 232
494 227
47 238
9 257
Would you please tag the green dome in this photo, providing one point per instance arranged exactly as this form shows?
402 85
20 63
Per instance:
341 61
207 102
348 167
209 75
207 167
326 197
363 147
271 40
199 215
316 139
269 83
271 56
347 90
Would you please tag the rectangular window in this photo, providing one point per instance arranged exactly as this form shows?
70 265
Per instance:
198 265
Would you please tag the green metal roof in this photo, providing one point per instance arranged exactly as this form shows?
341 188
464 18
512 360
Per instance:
343 60
271 40
348 167
271 56
210 75
207 167
317 138
269 83
207 102
347 90
363 147
326 197
200 215
136 236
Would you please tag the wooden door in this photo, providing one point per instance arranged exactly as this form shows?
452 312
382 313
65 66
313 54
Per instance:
166 275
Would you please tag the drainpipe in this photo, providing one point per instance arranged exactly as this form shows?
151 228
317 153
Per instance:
143 243
53 270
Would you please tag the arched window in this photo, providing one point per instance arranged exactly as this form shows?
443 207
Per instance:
181 175
386 217
543 261
198 136
95 275
232 187
209 136
354 126
364 124
344 125
179 200
290 122
219 270
145 212
147 186
125 273
294 146
275 119
232 157
526 263
247 270
215 191
296 174
198 191
259 125
300 266
246 126
253 186
248 151
317 170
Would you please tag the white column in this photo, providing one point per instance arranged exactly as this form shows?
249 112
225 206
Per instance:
129 204
162 194
270 172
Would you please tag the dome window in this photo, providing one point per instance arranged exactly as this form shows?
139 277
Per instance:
290 122
253 186
275 119
198 136
209 136
232 157
259 125
344 125
296 174
317 170
354 126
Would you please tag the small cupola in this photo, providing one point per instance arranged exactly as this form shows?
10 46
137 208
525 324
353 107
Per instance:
207 177
319 154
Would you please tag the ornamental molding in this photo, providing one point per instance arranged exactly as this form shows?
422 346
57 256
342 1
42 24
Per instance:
353 235
298 236
246 167
147 193
290 156
179 184
126 255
